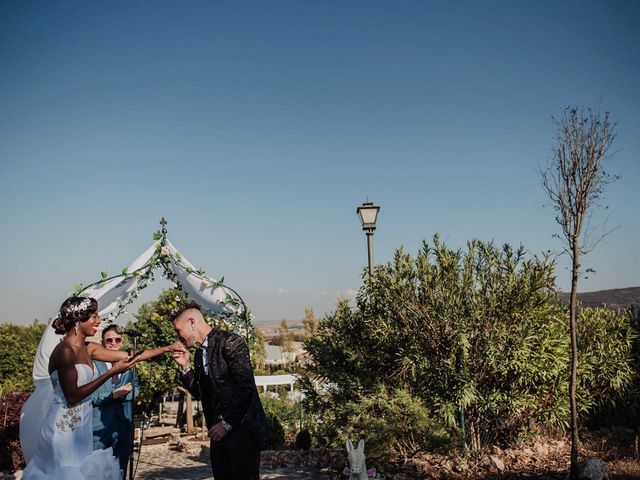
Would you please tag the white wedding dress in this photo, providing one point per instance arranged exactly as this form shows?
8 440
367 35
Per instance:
65 443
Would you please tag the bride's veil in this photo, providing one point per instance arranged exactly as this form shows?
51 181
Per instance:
37 405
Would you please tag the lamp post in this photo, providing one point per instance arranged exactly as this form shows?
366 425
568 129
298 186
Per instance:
368 213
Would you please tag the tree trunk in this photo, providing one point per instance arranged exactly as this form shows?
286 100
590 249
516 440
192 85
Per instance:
180 413
189 413
188 409
573 473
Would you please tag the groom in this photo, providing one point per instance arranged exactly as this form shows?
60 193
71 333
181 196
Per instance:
222 378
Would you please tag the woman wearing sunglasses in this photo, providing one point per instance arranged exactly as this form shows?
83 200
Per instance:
112 409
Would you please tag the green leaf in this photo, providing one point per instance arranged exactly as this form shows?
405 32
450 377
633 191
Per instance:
157 236
125 271
104 274
78 287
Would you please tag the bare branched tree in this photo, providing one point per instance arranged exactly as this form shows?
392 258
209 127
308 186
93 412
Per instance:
575 181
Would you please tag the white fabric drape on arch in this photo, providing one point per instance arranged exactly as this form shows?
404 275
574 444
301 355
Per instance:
110 295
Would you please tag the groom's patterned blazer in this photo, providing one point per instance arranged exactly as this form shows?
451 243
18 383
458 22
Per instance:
228 390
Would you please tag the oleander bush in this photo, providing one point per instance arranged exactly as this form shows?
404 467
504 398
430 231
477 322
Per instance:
476 336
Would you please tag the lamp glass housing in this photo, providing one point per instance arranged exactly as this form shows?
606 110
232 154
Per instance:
368 213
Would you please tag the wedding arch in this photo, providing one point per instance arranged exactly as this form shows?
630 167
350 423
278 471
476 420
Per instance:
114 293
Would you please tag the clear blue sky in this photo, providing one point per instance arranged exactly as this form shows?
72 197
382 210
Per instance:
257 128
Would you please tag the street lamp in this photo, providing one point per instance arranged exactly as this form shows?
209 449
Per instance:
368 213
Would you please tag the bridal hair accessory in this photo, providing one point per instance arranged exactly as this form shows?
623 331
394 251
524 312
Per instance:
80 307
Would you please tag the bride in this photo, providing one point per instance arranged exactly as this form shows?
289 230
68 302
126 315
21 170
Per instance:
65 445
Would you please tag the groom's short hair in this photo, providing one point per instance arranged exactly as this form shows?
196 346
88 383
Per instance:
183 307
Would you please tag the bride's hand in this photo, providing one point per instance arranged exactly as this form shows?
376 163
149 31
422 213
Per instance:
124 365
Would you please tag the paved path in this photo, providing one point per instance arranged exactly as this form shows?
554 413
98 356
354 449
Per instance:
161 462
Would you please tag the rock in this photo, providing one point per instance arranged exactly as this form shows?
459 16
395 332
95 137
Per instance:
318 458
292 458
496 463
461 467
205 451
592 469
540 448
485 462
185 446
422 468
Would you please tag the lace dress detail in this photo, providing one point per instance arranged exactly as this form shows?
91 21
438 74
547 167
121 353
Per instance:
65 445
70 419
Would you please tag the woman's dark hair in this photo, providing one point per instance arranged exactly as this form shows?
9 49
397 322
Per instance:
72 310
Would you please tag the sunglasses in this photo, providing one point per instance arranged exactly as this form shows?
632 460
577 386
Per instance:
113 340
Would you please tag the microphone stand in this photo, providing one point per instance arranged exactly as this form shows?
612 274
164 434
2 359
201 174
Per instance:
133 417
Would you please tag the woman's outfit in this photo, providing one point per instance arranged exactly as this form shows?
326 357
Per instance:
65 445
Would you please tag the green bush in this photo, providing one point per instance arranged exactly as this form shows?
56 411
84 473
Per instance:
276 441
393 424
475 334
303 440
624 409
287 413
20 344
607 362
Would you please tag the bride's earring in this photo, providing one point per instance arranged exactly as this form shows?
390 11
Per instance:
75 327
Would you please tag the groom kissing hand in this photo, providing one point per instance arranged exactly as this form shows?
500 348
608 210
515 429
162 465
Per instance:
222 378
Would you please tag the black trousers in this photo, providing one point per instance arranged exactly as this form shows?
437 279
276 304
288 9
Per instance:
237 456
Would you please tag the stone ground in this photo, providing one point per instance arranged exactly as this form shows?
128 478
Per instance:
161 462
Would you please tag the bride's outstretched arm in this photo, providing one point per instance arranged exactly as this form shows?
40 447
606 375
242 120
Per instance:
98 352
68 375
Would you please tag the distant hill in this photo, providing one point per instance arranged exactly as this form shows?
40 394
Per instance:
272 327
616 298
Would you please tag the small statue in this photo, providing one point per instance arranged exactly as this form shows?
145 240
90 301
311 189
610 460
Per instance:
357 463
